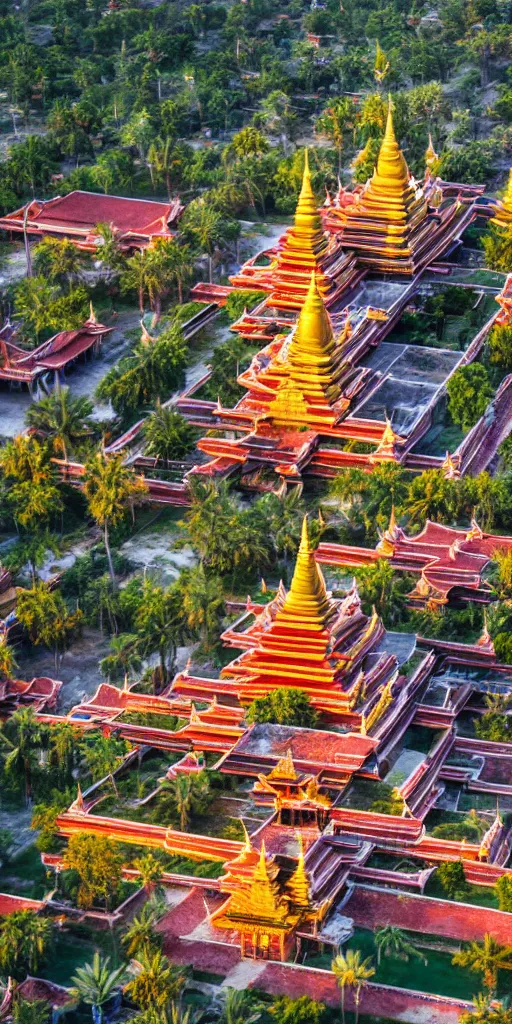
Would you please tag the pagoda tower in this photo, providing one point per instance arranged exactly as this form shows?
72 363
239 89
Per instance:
306 639
304 248
301 384
301 246
503 216
260 912
388 219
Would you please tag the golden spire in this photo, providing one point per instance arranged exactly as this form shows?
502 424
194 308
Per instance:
313 339
298 883
306 604
430 154
306 212
503 215
391 173
285 768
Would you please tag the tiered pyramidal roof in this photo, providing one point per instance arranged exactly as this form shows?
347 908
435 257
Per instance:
301 383
388 220
304 638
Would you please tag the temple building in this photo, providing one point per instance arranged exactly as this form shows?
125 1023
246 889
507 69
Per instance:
50 359
296 796
449 562
305 638
388 221
136 222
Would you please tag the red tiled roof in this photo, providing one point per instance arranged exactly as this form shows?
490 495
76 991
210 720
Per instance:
79 212
10 904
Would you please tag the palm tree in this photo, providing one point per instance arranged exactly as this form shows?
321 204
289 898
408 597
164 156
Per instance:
57 258
30 1012
160 624
167 433
34 299
205 225
151 871
140 936
96 983
156 983
176 261
25 940
108 249
162 160
135 276
24 753
63 417
123 659
235 1006
486 958
203 602
188 793
392 941
110 488
352 972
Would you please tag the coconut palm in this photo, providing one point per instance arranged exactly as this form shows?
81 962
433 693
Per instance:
28 736
140 936
108 249
63 417
150 870
392 941
168 435
235 1006
30 1012
188 793
160 624
176 262
486 958
203 602
25 940
123 659
57 258
96 983
352 972
156 982
110 488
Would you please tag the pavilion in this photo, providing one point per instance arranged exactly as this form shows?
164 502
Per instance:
52 357
450 563
136 222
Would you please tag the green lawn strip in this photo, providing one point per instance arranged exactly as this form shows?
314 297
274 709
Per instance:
438 976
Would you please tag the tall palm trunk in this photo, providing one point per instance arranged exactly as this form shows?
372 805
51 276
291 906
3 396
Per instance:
109 553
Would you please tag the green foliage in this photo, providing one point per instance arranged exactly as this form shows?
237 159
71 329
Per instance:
25 943
469 393
496 724
168 435
45 616
227 362
98 863
453 880
26 1011
303 1010
390 801
153 371
382 588
500 346
503 889
284 706
239 300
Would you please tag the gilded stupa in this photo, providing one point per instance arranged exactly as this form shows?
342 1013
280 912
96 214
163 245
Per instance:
388 219
307 639
304 248
301 383
503 216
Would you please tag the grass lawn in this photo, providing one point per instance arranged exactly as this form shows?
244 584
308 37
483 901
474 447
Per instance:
479 895
25 875
438 975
